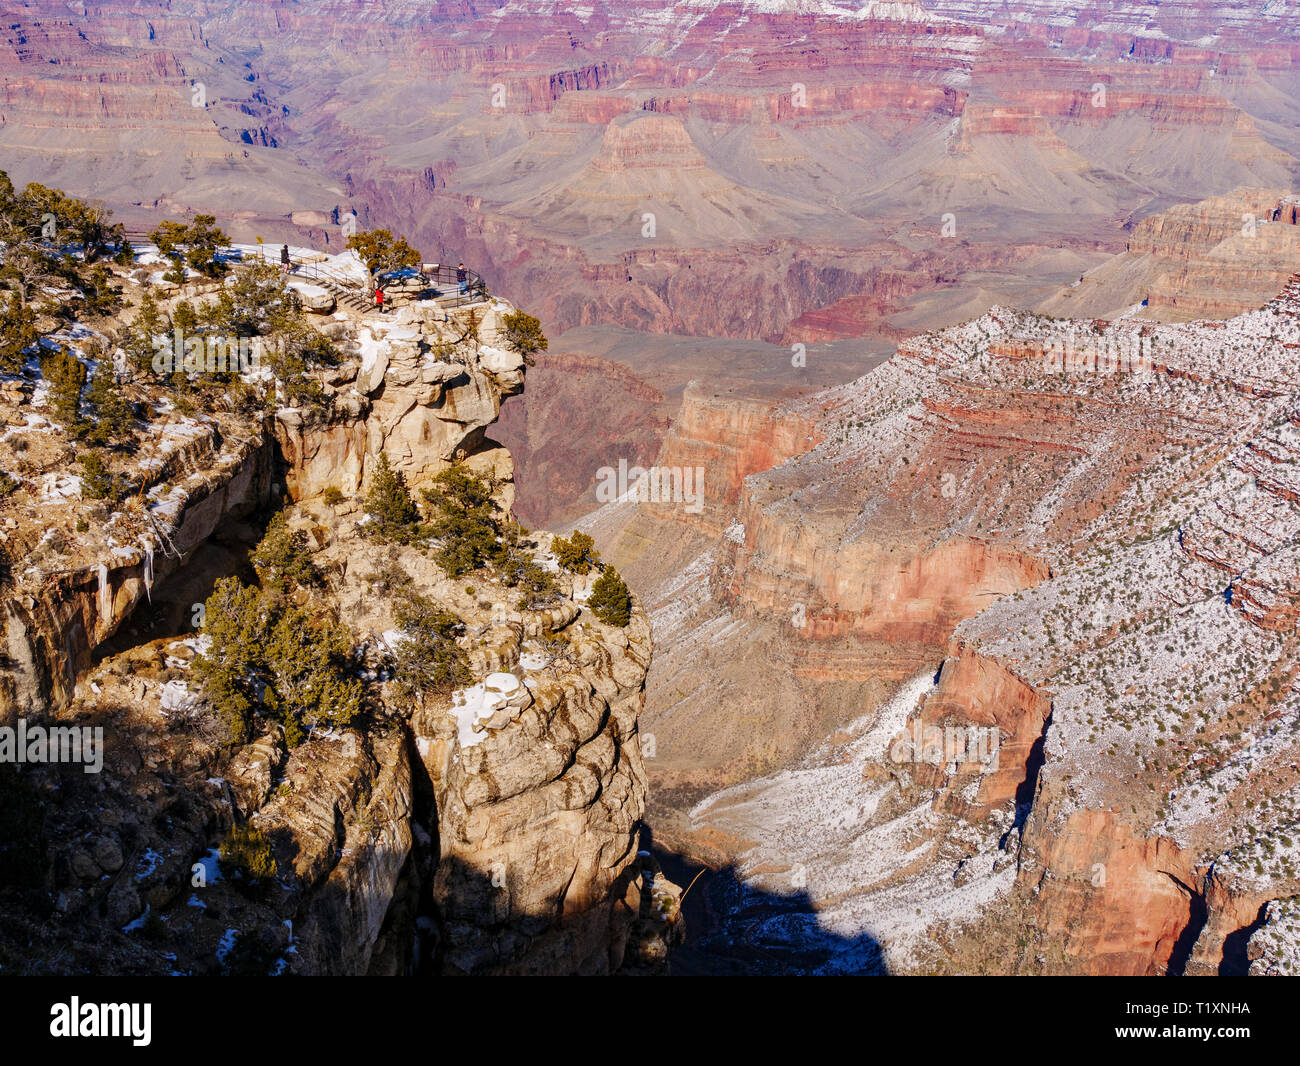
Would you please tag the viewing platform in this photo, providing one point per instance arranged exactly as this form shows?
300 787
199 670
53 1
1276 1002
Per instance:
344 279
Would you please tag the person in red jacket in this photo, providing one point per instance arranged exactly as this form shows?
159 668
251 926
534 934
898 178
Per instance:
379 299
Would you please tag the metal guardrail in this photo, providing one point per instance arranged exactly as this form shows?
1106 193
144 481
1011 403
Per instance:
445 282
440 281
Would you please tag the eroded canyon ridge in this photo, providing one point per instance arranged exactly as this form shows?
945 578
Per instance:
975 649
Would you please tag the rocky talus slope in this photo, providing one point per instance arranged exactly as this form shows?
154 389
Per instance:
431 843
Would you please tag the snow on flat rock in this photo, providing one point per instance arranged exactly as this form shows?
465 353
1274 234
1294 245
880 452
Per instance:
533 661
177 699
32 423
314 292
480 702
55 488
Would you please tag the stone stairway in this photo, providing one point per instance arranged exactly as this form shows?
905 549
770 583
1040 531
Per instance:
347 294
344 295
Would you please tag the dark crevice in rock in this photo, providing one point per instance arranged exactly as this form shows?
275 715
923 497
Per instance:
1196 918
1236 961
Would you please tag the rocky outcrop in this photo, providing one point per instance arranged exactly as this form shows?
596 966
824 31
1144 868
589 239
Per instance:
60 611
405 845
1211 259
722 440
538 871
1271 949
1088 526
424 414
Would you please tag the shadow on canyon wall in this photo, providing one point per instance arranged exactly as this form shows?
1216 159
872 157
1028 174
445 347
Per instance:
736 929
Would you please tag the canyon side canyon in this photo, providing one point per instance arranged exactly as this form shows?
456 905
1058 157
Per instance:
975 648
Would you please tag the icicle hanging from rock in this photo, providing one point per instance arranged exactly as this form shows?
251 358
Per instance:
105 596
147 571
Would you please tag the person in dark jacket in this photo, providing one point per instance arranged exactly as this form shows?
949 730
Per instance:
462 279
284 259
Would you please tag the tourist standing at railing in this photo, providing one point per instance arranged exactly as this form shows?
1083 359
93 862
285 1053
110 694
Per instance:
462 279
284 259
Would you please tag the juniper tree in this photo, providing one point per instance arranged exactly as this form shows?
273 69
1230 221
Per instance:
112 419
195 245
281 558
83 222
235 622
297 348
306 662
429 661
17 332
523 334
464 516
393 512
248 850
519 569
137 337
98 482
249 305
274 659
184 317
49 241
577 554
610 600
380 250
66 376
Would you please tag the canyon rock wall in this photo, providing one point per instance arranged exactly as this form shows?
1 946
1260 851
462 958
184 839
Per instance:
1086 530
402 847
1211 259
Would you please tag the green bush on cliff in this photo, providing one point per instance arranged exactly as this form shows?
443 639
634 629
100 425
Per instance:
248 850
465 518
98 482
194 245
307 660
17 332
272 657
393 514
70 221
250 316
522 333
99 296
429 660
520 570
296 349
380 250
610 600
227 672
577 554
112 418
137 337
281 559
65 375
49 245
245 306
